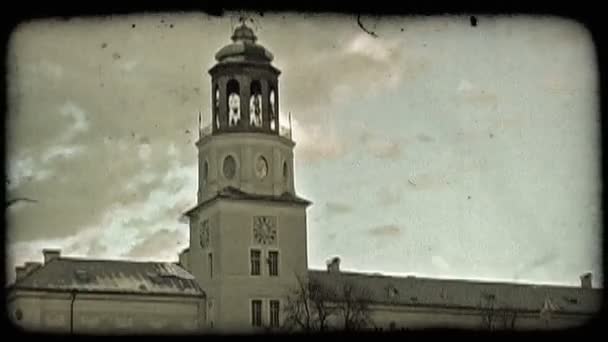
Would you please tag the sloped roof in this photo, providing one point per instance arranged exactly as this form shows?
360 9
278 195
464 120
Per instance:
84 275
464 293
237 194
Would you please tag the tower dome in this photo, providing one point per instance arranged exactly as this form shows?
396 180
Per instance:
244 48
245 87
244 33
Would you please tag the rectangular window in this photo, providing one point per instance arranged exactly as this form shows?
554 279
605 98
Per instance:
273 263
255 262
210 265
274 313
256 313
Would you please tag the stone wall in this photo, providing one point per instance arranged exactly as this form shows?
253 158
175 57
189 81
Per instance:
107 313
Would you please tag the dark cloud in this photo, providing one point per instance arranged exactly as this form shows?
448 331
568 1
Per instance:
336 208
425 138
384 149
390 230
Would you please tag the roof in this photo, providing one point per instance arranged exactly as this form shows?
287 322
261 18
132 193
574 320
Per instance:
464 293
237 194
85 275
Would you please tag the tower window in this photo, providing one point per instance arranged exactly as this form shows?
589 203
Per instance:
216 100
210 265
229 167
273 110
18 314
274 313
204 174
255 262
255 104
273 263
285 172
234 103
256 313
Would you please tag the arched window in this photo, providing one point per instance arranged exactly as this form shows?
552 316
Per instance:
273 110
255 104
229 167
285 172
216 98
216 106
234 103
205 174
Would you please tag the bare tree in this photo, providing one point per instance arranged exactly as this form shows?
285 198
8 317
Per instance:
309 307
496 316
313 305
353 306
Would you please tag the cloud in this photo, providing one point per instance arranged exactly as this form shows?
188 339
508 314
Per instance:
390 230
440 263
473 94
336 208
536 263
425 138
371 47
426 181
128 65
346 65
384 148
78 115
25 169
163 242
46 69
317 142
389 196
60 151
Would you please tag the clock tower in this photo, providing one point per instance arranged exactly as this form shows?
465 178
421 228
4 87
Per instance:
248 229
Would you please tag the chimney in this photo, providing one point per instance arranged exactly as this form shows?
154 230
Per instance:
50 254
333 265
586 280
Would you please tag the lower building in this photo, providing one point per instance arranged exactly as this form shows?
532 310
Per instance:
82 296
66 295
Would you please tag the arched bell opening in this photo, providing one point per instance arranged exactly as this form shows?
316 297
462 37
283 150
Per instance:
255 104
234 103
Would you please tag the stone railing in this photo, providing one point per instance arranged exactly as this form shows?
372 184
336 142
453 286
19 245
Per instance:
284 131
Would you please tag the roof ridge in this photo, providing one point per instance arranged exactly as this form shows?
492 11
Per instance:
451 280
126 261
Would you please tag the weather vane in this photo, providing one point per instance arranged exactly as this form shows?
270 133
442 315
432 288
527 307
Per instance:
244 19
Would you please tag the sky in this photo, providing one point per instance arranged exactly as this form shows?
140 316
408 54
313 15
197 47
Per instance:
432 148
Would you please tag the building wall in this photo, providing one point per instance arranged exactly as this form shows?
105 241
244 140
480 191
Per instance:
412 317
107 313
245 149
232 287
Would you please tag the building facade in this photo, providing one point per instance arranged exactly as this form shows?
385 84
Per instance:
248 247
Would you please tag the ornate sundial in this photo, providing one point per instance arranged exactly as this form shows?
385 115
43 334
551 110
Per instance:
264 230
204 234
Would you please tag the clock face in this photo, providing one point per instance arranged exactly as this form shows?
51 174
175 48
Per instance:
204 235
261 167
264 230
